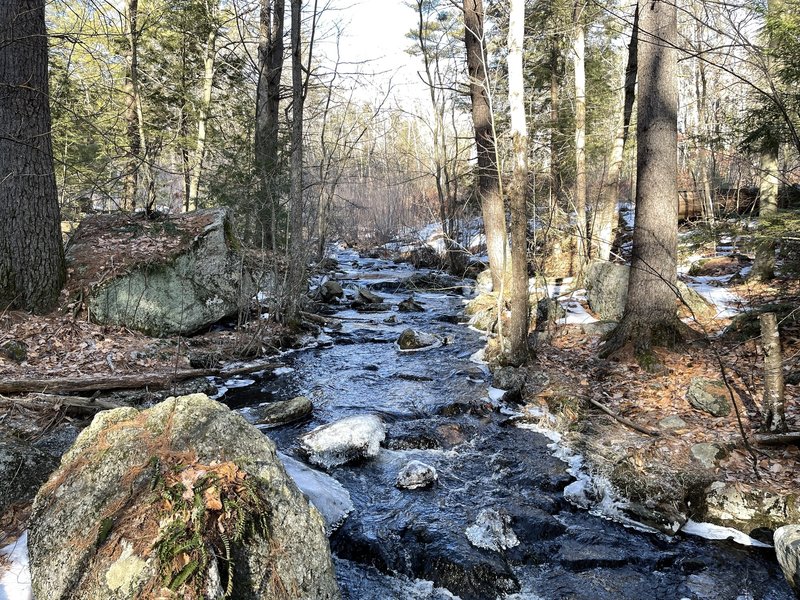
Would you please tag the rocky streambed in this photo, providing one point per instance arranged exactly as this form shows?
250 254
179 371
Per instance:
448 496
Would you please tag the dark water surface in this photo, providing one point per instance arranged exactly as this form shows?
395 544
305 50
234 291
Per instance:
407 544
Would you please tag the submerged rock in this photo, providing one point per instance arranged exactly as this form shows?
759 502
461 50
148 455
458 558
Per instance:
327 495
285 411
173 294
364 295
787 548
709 395
141 500
416 475
410 305
344 441
412 339
492 531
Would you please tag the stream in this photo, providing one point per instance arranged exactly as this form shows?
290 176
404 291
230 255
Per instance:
412 544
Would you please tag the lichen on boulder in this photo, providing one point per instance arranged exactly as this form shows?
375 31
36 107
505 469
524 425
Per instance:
184 498
174 275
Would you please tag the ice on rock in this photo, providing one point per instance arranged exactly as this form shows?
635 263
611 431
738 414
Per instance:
492 531
329 496
416 475
343 441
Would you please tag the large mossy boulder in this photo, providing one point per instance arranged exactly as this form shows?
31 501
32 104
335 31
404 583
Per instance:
607 290
185 499
172 275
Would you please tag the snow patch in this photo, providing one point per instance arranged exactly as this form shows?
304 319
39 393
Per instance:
15 578
710 531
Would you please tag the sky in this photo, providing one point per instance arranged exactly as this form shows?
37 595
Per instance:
375 31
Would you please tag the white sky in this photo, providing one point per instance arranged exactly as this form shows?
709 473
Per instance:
375 31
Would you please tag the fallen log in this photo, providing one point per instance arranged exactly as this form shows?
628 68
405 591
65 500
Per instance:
73 405
156 381
777 439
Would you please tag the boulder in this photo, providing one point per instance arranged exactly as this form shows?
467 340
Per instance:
148 500
492 531
709 395
787 548
412 339
548 310
607 289
23 469
510 379
176 291
285 411
600 328
344 441
749 508
671 423
434 281
483 283
327 495
14 350
415 475
482 311
330 291
707 454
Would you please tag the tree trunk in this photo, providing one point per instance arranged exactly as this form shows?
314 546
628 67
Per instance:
604 223
202 117
650 316
764 263
579 63
131 178
488 180
556 74
32 269
296 250
773 409
270 67
518 326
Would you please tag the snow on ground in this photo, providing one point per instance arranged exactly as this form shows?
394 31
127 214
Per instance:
15 578
725 301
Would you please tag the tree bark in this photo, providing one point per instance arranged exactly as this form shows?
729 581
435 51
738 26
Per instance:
764 263
131 178
270 67
604 223
579 64
32 269
203 116
650 317
297 258
518 325
773 407
488 180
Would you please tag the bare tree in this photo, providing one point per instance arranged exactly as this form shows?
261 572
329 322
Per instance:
488 179
518 188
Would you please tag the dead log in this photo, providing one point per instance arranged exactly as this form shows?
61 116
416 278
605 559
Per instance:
73 405
155 381
777 439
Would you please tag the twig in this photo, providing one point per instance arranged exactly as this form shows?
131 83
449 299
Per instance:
623 420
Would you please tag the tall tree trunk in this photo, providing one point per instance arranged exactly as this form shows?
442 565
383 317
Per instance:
773 407
764 263
32 268
604 223
297 257
650 316
518 326
203 116
268 95
556 75
488 180
131 178
579 63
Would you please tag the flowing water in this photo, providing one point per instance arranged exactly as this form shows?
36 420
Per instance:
413 544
